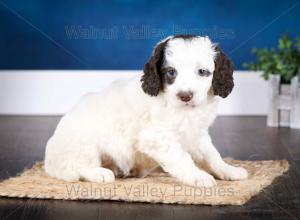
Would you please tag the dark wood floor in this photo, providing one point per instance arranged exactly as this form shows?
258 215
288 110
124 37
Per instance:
23 139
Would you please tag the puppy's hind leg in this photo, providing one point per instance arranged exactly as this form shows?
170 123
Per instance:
90 168
75 159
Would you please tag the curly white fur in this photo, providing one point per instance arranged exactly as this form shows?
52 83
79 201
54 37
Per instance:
123 121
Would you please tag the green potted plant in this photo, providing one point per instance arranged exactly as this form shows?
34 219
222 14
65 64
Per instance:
281 67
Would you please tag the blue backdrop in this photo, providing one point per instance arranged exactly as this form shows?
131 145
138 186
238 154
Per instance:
120 34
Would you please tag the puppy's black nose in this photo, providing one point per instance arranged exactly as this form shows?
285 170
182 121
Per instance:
185 96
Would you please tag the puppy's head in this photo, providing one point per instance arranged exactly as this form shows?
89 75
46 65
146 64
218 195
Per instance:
186 69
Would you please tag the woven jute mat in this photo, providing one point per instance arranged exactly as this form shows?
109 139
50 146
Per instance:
156 188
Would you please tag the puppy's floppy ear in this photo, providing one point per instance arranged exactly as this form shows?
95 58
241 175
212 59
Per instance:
151 79
222 82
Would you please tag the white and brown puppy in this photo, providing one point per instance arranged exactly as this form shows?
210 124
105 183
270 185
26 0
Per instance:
164 114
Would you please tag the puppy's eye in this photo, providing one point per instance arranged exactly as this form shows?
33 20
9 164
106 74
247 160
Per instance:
171 73
203 72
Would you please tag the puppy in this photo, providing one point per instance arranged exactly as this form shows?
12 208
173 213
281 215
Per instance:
161 117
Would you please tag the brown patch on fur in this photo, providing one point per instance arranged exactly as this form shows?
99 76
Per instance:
143 166
165 78
108 163
152 78
185 36
222 82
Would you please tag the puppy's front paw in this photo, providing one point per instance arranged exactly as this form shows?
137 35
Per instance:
199 179
232 173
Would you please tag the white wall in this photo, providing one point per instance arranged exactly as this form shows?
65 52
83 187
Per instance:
51 92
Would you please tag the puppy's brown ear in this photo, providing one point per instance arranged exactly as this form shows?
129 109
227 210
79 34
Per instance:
222 82
151 79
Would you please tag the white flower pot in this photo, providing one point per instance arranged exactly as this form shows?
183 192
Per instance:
284 103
